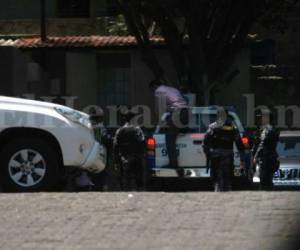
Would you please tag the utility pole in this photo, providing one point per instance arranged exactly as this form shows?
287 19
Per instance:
43 20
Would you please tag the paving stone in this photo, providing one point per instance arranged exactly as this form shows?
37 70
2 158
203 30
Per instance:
195 220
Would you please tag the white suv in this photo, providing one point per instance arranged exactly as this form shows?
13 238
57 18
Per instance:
38 139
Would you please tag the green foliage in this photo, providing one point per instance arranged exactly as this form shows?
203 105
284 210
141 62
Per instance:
117 26
203 37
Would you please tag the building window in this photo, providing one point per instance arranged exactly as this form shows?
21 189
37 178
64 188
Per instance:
73 8
106 8
113 79
263 52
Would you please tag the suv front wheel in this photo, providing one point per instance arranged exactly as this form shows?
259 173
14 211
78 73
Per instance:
29 164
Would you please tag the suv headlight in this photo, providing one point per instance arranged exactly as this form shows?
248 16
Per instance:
75 116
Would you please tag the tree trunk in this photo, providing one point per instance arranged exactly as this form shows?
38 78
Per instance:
196 84
137 28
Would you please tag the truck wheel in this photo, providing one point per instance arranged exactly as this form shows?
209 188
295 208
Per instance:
29 164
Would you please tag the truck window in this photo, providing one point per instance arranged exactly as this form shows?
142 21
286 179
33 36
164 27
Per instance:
205 120
199 123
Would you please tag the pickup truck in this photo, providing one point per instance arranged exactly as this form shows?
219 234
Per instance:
39 140
191 156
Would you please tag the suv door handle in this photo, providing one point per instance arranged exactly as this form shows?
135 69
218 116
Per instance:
197 142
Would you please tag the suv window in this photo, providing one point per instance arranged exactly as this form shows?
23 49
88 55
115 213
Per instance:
289 146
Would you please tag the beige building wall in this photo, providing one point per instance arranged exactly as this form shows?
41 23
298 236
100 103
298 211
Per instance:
232 95
19 74
142 76
81 78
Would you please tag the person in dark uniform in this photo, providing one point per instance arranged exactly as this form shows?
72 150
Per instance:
218 146
129 151
264 150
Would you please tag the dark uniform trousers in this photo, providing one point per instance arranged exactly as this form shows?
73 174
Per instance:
131 170
222 171
268 166
264 152
129 148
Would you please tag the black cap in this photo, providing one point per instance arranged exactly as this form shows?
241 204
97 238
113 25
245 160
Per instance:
263 112
129 114
95 112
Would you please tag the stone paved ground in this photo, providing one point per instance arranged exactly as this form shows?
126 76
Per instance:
195 220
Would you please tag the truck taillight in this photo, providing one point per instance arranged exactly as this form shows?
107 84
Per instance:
245 141
151 153
197 136
151 144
